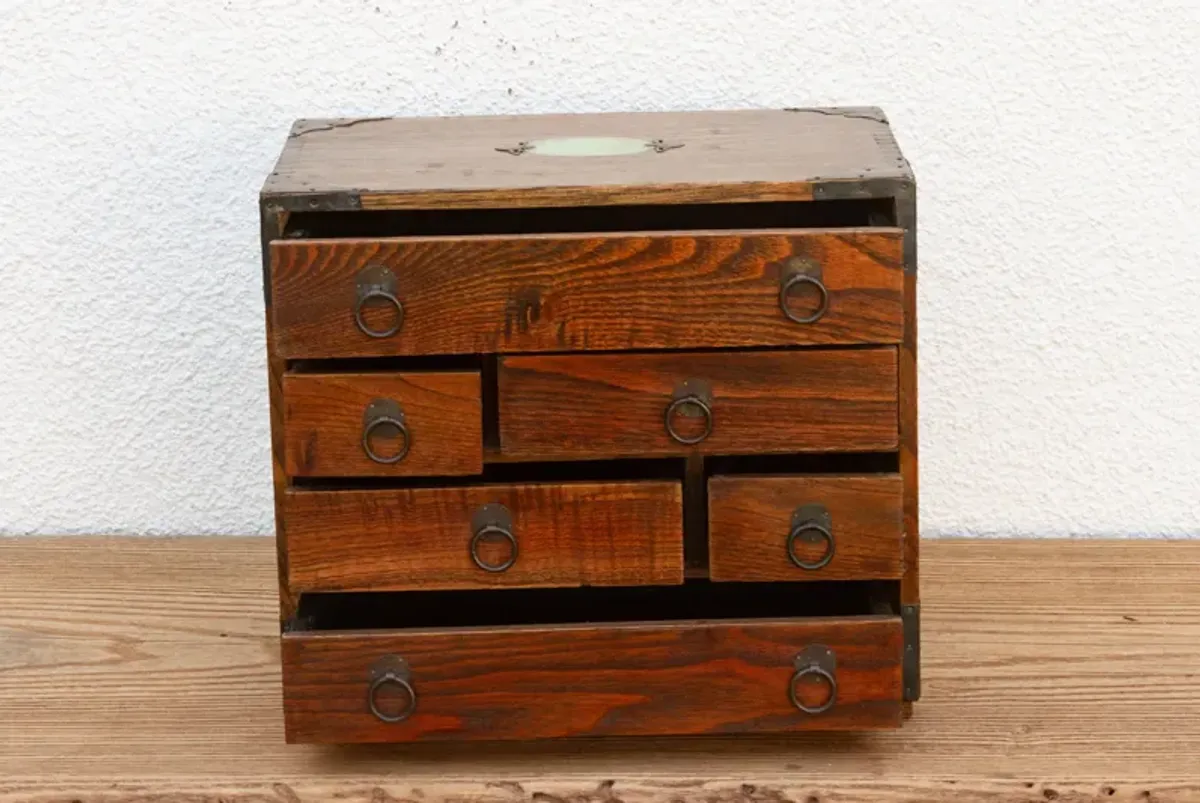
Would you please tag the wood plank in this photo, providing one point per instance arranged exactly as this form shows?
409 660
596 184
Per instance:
750 519
580 680
147 670
585 292
614 405
623 533
324 424
271 227
458 162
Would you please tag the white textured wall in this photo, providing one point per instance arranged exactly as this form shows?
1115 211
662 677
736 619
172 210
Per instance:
1056 146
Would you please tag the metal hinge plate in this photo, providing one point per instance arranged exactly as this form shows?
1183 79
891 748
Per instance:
910 665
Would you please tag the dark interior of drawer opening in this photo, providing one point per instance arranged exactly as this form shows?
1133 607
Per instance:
809 463
551 220
628 469
665 468
698 599
385 365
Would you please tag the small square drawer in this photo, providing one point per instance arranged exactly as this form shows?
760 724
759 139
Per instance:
641 678
564 407
382 424
485 536
765 528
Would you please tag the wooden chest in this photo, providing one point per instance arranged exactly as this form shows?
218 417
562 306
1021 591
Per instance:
594 424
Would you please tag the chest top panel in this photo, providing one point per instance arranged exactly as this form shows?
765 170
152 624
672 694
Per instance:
586 159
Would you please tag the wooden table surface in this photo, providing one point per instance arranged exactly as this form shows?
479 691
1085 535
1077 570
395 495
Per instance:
146 669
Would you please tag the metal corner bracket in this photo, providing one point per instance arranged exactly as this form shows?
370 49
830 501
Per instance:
910 663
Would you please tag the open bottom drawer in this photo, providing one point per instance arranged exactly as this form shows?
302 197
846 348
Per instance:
584 679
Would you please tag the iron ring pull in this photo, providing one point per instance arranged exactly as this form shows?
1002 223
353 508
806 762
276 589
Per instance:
396 672
796 280
678 404
816 660
376 282
489 530
386 295
381 412
825 534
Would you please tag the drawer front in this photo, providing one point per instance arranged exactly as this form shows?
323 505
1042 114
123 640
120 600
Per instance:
382 425
637 679
446 295
628 533
625 405
805 528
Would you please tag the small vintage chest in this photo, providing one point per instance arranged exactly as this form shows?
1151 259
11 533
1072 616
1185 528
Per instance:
594 424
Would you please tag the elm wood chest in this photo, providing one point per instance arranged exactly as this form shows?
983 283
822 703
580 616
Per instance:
594 424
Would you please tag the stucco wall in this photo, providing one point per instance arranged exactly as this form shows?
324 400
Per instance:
1055 144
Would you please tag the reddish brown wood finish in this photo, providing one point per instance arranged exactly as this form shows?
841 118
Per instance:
271 225
625 533
466 162
750 519
586 292
667 296
580 406
323 424
637 679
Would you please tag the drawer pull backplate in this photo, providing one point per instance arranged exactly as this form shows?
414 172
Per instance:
801 272
376 283
384 413
691 399
818 660
391 670
492 522
811 524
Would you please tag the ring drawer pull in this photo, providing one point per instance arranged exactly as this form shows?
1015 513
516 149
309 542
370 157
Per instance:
693 394
375 283
801 272
811 524
818 660
489 522
391 670
379 413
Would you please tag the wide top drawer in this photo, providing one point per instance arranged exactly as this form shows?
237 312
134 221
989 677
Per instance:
579 292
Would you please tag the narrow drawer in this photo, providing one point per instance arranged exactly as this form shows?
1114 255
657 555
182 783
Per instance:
805 528
572 534
690 677
382 425
626 405
578 292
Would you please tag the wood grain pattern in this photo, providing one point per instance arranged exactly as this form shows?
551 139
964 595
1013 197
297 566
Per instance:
750 519
453 162
1055 670
586 292
323 424
271 225
613 405
543 682
627 533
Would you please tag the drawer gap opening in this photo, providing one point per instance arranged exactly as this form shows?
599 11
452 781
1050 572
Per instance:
461 362
695 517
464 362
490 400
575 219
807 463
694 600
667 468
